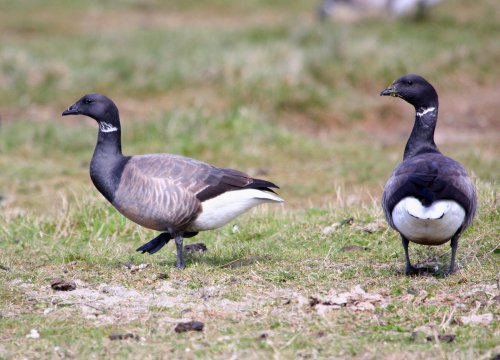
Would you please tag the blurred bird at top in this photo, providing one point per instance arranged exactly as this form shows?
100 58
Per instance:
418 8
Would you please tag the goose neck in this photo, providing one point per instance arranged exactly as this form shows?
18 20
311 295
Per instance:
109 142
422 136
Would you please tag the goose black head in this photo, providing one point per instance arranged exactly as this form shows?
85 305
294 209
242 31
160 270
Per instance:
100 108
414 89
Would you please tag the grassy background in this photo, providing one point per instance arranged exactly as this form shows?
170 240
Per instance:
262 87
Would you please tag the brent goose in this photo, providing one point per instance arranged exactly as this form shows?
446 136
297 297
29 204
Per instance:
176 195
398 8
429 198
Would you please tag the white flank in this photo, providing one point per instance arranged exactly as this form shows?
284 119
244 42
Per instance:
425 111
221 209
431 225
105 127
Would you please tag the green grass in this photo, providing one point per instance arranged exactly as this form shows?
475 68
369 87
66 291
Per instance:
261 87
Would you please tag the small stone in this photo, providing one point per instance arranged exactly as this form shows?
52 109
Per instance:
59 284
189 326
136 268
48 311
34 334
162 276
373 227
443 338
329 229
353 248
116 336
197 247
413 291
313 301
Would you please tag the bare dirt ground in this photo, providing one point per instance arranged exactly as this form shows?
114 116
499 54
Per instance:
104 304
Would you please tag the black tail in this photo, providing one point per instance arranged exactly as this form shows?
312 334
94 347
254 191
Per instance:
160 241
260 184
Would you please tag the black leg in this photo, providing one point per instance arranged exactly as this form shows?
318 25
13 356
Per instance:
180 257
156 244
410 269
160 241
454 246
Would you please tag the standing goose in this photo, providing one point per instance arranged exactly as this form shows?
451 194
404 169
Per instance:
429 198
173 194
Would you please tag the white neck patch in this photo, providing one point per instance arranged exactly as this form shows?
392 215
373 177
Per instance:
425 111
105 127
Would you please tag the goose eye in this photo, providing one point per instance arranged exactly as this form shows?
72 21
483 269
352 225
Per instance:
409 82
87 101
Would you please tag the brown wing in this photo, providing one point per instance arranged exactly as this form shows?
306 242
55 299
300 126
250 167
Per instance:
221 180
169 189
158 203
430 177
199 178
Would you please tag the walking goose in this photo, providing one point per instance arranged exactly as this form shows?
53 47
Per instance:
176 195
429 198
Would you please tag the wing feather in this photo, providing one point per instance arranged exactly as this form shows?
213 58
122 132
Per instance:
175 186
